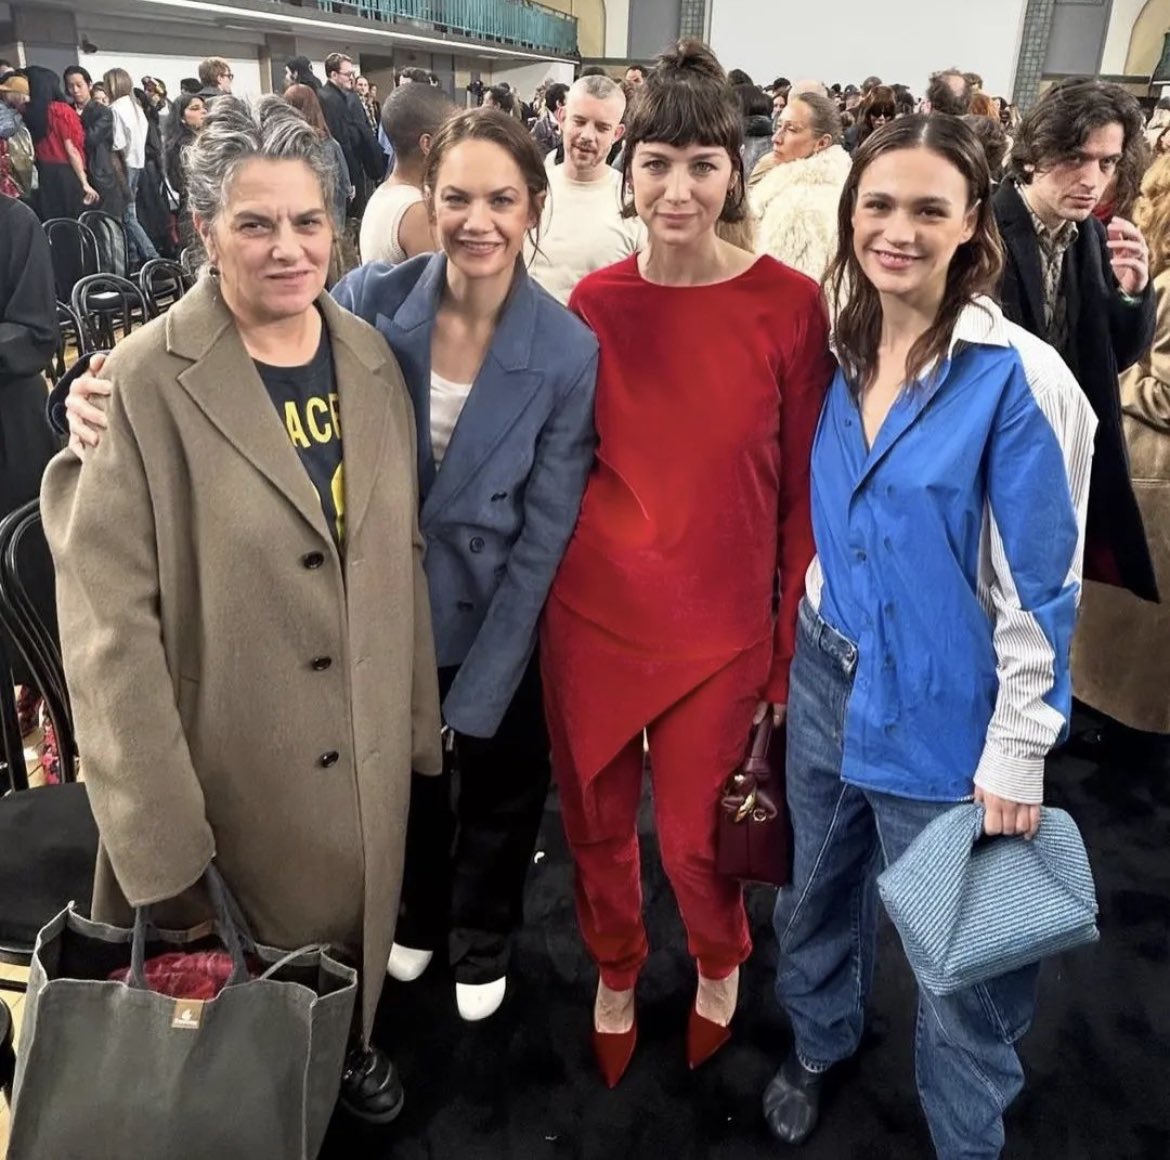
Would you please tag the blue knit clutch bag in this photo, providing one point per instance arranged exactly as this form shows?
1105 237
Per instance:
969 910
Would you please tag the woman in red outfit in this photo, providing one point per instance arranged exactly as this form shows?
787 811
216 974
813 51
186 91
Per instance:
59 143
713 367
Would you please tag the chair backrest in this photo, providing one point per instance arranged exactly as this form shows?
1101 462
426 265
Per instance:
28 611
163 283
112 246
69 330
74 251
107 308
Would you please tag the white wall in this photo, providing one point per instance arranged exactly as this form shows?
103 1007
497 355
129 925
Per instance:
902 41
1122 18
171 69
525 79
617 29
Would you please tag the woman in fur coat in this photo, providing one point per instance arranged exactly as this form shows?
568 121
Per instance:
796 203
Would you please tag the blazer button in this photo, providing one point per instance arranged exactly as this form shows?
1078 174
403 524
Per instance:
313 560
320 664
328 759
476 544
464 605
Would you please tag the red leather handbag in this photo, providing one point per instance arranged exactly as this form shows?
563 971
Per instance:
754 838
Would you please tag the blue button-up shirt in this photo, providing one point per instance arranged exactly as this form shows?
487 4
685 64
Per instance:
950 553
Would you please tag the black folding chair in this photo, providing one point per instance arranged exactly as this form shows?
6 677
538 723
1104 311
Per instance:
69 329
74 251
108 307
113 247
163 283
48 838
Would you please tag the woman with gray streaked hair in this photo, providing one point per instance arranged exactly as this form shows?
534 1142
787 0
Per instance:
244 616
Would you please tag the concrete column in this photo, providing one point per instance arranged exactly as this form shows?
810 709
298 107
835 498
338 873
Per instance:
45 36
1033 50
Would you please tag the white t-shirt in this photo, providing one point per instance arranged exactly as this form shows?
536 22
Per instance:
130 128
581 230
447 402
378 239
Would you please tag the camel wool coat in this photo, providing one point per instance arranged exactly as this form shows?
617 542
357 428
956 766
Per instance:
1121 651
243 691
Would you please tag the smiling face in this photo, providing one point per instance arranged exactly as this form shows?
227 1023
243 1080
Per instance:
271 241
911 214
680 191
591 126
482 209
1069 189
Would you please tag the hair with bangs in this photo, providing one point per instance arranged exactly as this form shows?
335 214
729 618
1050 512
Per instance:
685 101
974 269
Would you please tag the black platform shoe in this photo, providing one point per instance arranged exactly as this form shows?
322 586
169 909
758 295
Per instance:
792 1101
370 1087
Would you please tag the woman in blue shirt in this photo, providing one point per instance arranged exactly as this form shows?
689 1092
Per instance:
950 475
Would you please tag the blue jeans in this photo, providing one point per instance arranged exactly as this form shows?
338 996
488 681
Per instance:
966 1065
136 236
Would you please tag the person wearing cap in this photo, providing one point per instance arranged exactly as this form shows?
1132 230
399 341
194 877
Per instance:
17 164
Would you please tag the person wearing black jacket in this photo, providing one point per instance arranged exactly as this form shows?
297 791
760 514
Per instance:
28 340
347 122
1084 289
106 174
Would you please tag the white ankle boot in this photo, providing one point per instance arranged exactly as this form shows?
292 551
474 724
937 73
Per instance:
477 1002
406 963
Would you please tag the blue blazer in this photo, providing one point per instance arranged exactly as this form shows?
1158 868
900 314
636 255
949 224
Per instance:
498 516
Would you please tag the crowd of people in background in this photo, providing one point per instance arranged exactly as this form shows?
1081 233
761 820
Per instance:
705 233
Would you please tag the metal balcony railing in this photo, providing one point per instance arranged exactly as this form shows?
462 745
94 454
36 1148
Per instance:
518 22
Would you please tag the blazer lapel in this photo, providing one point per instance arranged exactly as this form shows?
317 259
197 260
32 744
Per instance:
1019 235
502 390
224 384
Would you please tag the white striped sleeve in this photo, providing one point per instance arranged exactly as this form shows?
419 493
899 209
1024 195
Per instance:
1033 547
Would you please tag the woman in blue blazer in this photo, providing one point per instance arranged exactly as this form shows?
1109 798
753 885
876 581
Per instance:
502 380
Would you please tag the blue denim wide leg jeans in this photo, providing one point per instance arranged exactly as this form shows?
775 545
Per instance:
967 1068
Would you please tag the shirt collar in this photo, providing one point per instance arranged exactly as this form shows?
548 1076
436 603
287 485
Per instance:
1065 234
980 323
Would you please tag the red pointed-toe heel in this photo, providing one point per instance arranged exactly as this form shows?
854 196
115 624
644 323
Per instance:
704 1039
614 1050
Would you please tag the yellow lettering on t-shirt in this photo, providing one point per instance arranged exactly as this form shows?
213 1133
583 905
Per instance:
292 420
335 411
337 487
314 408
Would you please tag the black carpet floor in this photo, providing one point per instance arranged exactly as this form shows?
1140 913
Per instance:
522 1085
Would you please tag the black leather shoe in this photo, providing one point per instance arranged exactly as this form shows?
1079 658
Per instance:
792 1102
370 1087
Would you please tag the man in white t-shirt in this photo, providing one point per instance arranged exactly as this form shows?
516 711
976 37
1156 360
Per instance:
582 228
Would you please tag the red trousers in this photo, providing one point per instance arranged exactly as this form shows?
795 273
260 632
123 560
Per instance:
694 745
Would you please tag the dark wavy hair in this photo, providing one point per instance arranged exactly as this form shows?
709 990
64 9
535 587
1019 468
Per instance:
686 100
974 270
1061 121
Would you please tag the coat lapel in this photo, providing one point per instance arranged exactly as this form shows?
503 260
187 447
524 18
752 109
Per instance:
1019 235
502 389
358 358
224 384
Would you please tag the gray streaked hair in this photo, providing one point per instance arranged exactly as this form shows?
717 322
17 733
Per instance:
237 131
600 87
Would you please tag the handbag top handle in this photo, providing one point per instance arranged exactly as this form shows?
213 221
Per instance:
757 758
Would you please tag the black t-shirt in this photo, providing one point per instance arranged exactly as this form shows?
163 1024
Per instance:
306 400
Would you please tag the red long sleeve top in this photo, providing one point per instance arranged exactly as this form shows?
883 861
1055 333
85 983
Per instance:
707 402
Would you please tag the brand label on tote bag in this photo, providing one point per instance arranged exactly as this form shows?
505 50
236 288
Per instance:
188 1014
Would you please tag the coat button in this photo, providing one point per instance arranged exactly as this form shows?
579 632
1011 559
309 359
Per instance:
476 544
328 759
313 560
464 605
320 664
